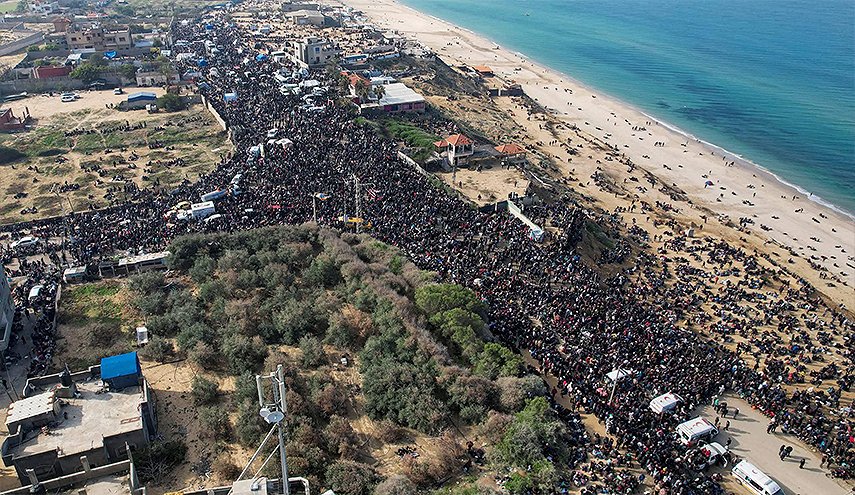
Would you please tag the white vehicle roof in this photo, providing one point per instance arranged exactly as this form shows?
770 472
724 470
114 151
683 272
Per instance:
618 374
696 426
35 290
665 402
212 217
750 471
714 448
202 206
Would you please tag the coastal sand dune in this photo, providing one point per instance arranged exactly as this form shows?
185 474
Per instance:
713 181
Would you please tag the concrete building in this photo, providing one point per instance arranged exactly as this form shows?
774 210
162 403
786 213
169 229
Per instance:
66 416
456 148
7 304
118 478
156 78
306 18
315 52
60 24
397 97
43 8
98 37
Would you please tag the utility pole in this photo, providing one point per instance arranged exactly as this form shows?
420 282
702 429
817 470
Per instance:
358 193
275 414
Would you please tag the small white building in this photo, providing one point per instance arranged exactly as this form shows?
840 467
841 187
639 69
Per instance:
457 148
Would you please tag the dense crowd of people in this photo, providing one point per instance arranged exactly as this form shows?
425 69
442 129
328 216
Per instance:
576 322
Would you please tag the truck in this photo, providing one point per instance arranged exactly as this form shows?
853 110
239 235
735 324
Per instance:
202 210
214 195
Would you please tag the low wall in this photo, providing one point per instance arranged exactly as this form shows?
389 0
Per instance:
21 43
72 479
413 164
214 112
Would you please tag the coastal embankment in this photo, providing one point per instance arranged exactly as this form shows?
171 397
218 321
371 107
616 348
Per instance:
810 238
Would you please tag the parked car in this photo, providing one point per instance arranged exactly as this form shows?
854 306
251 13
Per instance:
118 91
24 242
67 99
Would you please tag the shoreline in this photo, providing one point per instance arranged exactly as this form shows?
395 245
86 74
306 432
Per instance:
817 239
733 156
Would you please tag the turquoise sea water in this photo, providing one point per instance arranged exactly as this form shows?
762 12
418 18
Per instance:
770 80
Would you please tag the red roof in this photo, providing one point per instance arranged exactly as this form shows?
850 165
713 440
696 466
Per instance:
457 140
355 78
510 149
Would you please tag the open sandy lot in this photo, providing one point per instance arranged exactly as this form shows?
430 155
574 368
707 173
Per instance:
84 153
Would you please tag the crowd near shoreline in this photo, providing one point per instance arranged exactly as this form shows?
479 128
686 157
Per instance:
544 298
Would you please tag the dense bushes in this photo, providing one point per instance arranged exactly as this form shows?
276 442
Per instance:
204 391
423 350
351 478
532 444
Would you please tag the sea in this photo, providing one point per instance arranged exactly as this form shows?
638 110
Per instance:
772 81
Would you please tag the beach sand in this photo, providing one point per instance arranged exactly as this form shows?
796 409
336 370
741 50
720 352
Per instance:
684 163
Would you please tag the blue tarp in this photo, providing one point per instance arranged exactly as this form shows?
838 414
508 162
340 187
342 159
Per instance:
202 62
110 55
121 365
260 57
142 96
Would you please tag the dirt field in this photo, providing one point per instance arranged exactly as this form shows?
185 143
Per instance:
83 154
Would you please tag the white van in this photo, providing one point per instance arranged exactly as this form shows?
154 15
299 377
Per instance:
694 430
755 480
665 402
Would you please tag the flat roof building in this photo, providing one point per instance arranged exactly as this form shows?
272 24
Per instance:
66 416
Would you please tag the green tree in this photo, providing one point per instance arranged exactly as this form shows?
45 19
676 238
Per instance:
171 102
435 298
497 360
214 422
204 391
86 72
128 71
351 478
534 434
158 349
243 353
313 352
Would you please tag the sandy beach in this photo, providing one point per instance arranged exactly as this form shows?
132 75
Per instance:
718 186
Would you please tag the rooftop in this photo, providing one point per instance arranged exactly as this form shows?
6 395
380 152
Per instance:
30 407
454 140
399 93
92 415
510 149
106 485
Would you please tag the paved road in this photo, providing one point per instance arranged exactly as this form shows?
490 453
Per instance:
750 442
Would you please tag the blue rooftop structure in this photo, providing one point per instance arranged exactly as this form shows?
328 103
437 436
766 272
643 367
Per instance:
121 371
142 95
